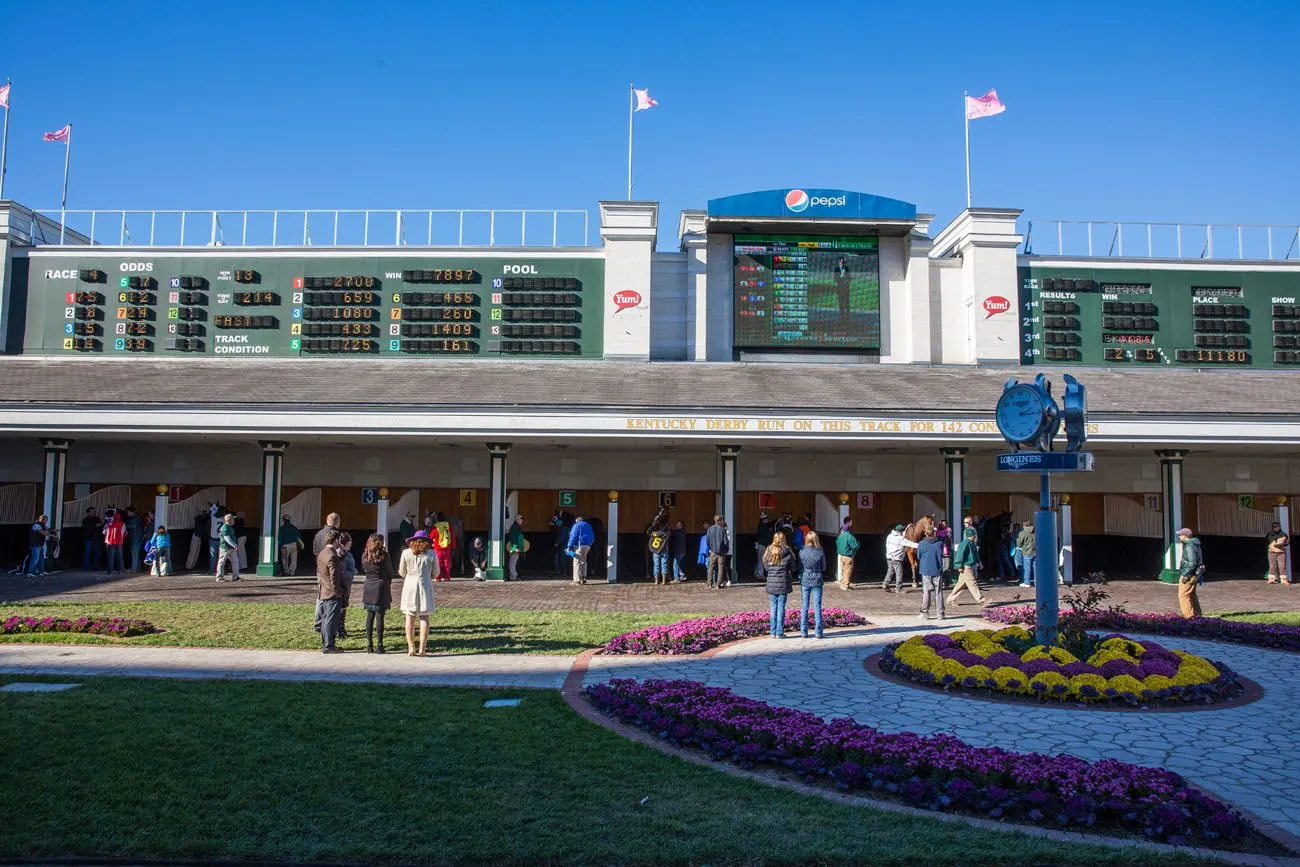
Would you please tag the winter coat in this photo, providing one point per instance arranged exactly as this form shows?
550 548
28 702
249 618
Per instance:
329 571
580 535
779 576
378 588
846 544
813 563
1192 562
718 541
929 555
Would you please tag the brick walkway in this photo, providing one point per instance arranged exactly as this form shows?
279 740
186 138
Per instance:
549 594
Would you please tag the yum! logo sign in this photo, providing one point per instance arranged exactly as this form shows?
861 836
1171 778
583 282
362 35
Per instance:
626 299
995 304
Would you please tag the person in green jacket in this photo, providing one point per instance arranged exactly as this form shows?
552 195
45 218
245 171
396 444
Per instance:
227 548
964 562
1191 569
846 546
515 546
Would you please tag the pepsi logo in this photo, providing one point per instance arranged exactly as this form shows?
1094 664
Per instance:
796 200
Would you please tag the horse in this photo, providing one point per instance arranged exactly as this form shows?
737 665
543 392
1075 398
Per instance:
915 532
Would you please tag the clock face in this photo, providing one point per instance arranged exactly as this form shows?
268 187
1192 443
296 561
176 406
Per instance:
1020 413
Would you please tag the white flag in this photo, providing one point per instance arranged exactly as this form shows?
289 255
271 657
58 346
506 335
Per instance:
643 99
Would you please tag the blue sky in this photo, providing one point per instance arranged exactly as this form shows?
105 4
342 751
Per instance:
1185 111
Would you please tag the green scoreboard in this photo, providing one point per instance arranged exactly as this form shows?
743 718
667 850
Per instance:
429 305
1146 317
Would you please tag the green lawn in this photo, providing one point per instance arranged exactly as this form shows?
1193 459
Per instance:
1283 618
285 626
384 774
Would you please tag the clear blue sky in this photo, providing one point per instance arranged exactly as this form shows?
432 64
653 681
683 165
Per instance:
1146 111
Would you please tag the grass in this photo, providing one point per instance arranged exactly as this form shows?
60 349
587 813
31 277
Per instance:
1280 618
289 626
386 774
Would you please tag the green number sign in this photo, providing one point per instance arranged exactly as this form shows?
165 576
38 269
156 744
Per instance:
568 498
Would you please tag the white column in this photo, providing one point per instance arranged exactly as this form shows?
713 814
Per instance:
381 514
611 538
954 462
54 480
497 452
160 502
1282 514
729 455
1067 540
268 560
1171 490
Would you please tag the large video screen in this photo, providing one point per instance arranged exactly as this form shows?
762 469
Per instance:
807 292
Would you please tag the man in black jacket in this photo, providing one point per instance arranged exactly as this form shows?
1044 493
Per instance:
719 554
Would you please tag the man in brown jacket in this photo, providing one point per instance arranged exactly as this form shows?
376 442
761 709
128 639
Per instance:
329 572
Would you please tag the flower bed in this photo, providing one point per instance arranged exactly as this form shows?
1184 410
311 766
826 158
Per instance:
702 633
936 772
116 627
1120 671
1210 628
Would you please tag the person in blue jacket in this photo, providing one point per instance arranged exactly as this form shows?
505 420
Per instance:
702 558
581 538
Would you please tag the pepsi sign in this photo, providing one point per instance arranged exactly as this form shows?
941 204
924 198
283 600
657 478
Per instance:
811 203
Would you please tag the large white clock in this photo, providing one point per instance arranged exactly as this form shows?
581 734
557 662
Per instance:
1022 413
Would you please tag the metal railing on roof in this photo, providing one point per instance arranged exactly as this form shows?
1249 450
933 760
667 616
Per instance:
316 228
1227 241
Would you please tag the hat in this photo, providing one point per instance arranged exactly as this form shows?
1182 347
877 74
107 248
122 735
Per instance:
898 528
1185 532
420 534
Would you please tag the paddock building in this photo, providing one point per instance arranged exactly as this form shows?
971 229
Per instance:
801 350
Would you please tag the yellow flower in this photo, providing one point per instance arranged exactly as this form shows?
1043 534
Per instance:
950 667
1156 681
1079 681
1101 657
1059 655
1017 632
1048 679
981 673
1125 683
1005 675
1129 648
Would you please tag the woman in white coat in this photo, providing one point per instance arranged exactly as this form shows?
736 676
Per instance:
418 568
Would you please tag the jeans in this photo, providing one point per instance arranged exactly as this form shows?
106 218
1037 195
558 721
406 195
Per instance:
894 571
512 567
813 594
677 568
718 573
36 566
931 585
659 564
213 545
92 556
776 612
331 612
1005 566
114 563
1027 570
162 562
133 543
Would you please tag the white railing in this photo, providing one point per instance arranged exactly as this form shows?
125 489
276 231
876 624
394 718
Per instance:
1251 242
318 228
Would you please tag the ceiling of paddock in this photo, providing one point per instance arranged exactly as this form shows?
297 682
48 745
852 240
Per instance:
321 384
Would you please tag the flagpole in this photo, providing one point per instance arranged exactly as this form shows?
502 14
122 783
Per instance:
631 93
965 112
4 142
63 207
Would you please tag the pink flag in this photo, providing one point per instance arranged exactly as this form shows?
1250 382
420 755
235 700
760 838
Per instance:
984 106
4 97
59 134
643 99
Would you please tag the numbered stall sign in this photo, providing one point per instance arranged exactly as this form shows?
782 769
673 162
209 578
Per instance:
866 501
468 497
369 496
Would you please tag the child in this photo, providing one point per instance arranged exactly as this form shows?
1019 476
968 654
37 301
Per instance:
158 553
478 559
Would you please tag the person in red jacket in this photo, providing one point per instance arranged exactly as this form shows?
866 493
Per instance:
114 539
442 545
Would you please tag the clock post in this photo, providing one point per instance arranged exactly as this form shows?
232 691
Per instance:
1029 419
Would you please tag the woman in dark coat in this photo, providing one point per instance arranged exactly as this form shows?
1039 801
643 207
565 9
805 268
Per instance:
778 571
377 595
811 577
